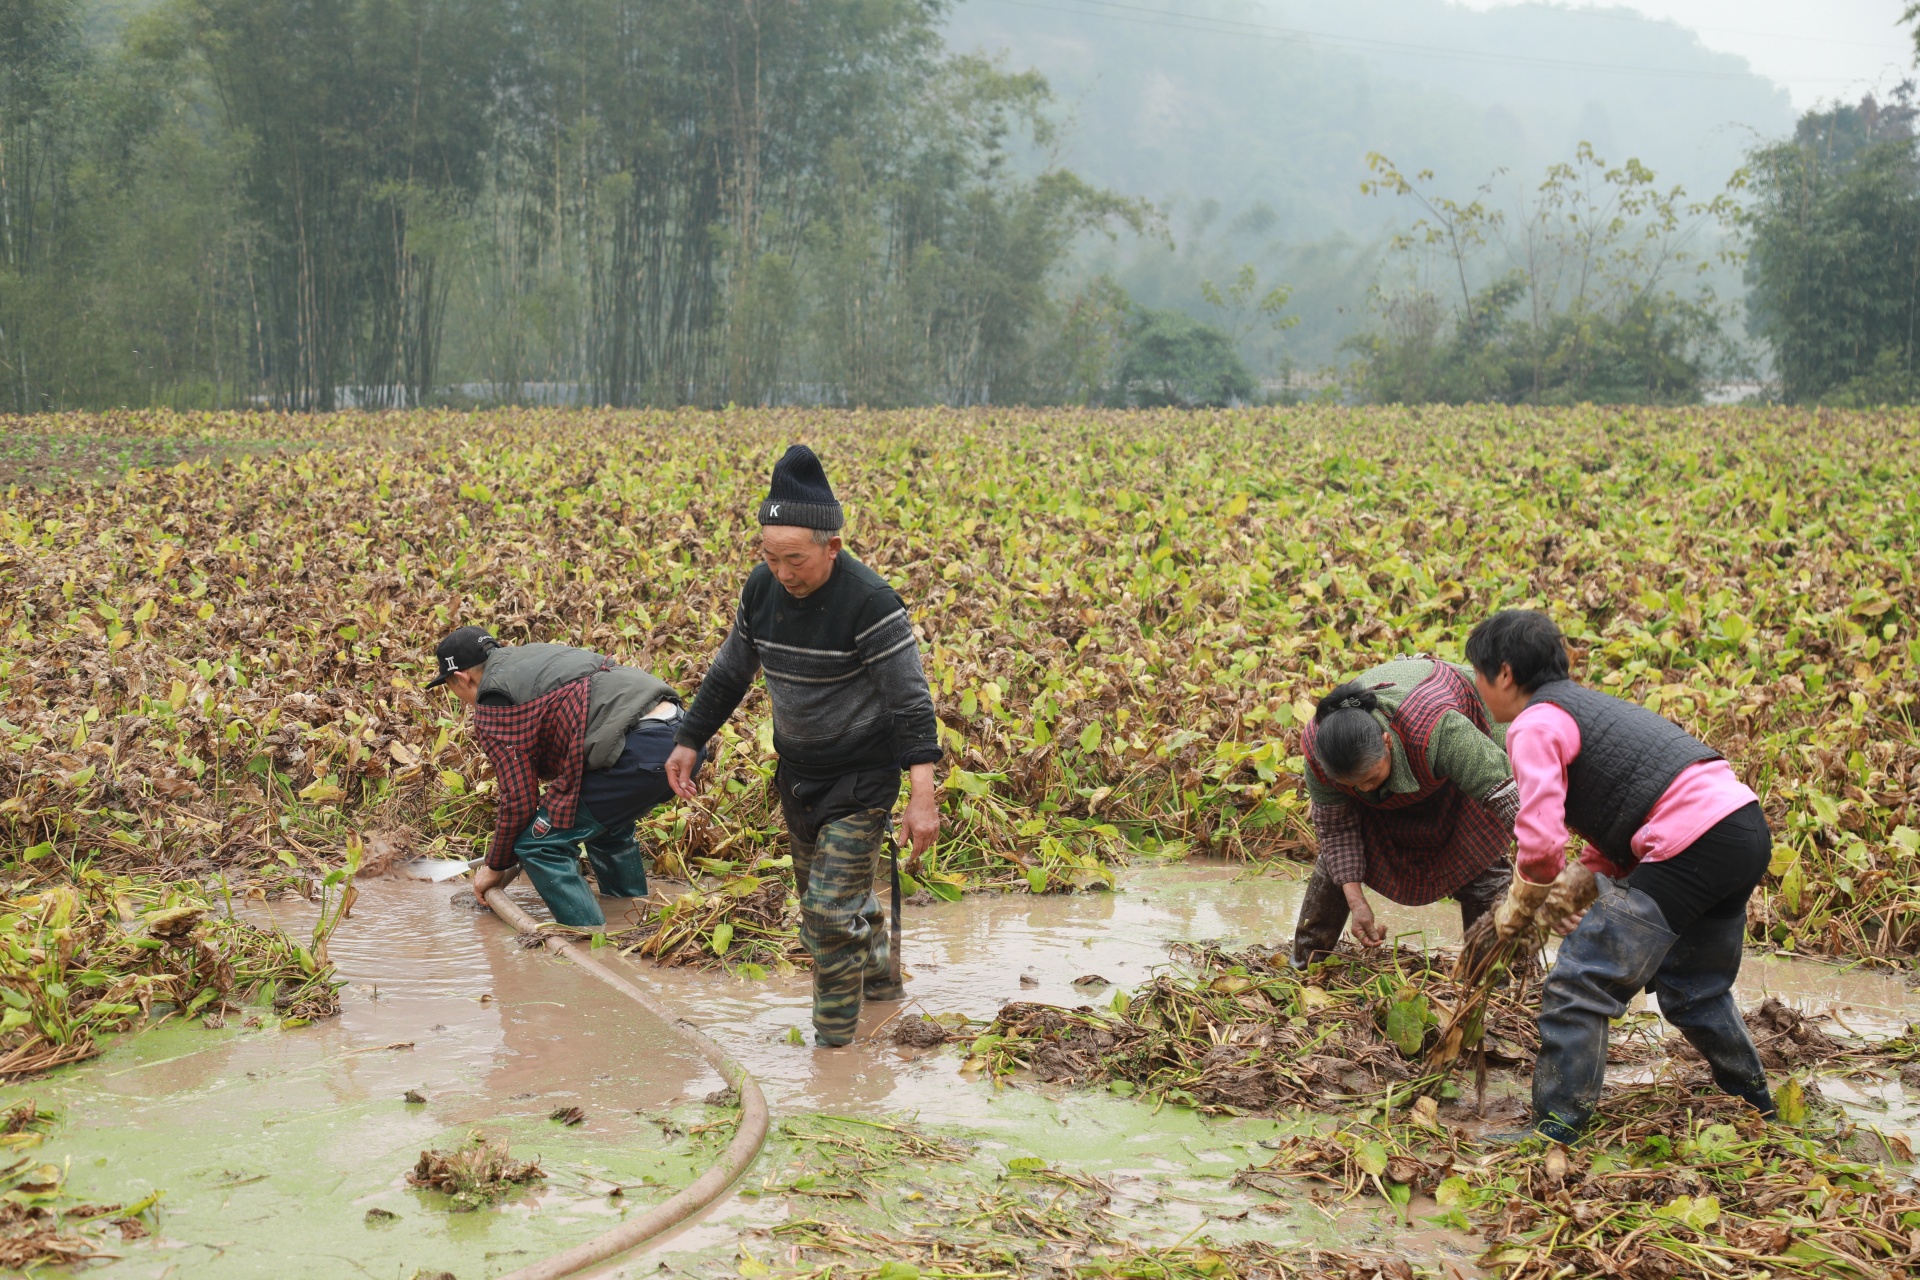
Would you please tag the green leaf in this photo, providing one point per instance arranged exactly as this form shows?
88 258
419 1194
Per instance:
1452 1191
33 852
1825 809
1372 1158
1026 1164
1698 1212
722 937
1790 1101
942 890
1123 1088
14 1018
1037 879
1784 856
794 1036
894 1269
1407 1022
1090 737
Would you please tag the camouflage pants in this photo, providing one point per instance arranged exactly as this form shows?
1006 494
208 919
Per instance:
841 923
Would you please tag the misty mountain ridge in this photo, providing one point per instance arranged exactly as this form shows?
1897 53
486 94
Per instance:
1253 138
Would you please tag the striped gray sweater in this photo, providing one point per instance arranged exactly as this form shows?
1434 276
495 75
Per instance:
843 671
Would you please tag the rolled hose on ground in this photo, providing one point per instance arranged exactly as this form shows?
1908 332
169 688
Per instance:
748 1136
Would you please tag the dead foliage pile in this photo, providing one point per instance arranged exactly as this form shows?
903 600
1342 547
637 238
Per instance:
40 1224
732 916
1243 1031
90 955
473 1175
1669 1184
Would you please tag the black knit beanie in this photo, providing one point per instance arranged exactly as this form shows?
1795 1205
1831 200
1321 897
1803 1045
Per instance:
800 494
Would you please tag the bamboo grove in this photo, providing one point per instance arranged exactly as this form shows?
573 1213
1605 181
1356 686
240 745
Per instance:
214 665
308 204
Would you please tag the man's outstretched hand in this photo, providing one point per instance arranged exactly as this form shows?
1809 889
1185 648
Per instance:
921 822
680 767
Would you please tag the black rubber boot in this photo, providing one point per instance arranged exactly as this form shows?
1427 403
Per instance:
1323 914
1482 893
1695 989
1603 964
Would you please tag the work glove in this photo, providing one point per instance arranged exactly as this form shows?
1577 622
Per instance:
1516 910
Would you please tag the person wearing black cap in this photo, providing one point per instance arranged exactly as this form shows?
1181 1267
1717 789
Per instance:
600 734
851 710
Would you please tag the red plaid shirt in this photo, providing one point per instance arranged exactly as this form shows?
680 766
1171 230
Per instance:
1419 846
544 738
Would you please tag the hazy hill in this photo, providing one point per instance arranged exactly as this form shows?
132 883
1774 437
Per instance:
1255 135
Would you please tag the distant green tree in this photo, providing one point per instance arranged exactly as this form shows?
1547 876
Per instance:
1583 307
1834 255
1174 360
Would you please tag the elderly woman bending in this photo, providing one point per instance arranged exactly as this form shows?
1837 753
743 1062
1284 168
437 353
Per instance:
1412 797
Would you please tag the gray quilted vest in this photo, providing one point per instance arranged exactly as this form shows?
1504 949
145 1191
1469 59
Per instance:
617 699
1628 758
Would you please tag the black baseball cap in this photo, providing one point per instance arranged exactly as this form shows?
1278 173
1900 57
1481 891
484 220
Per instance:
468 647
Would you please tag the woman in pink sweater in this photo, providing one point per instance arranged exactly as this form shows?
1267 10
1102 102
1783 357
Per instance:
1678 841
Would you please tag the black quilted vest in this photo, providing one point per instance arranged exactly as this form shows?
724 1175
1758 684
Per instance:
1628 758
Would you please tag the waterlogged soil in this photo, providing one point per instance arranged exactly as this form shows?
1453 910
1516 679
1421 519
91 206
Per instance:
272 1145
1170 1169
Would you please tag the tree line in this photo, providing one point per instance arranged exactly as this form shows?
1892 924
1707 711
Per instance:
313 204
305 202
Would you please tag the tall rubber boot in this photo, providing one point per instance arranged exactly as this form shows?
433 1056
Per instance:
618 864
838 915
551 856
1695 989
1602 965
1323 914
1482 893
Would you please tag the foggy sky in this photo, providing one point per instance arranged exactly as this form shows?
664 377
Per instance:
1820 50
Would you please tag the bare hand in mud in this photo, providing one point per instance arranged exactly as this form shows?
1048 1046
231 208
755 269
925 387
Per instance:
1569 923
1367 931
680 766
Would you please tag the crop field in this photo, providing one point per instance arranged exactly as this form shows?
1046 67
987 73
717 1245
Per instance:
214 629
214 665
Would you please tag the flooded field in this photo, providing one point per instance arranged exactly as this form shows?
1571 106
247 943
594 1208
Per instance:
273 1146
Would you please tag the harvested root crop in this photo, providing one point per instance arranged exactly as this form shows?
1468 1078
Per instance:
1487 959
474 1175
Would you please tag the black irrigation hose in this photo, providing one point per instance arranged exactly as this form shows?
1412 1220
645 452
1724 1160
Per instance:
748 1136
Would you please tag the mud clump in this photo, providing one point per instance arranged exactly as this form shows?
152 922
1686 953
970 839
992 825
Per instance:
1786 1038
475 1175
916 1032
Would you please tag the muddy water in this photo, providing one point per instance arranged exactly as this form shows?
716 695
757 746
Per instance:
272 1145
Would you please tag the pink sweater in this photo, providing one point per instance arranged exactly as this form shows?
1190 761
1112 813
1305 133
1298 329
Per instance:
1543 740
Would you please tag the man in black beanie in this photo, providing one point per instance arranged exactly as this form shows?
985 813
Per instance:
851 710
